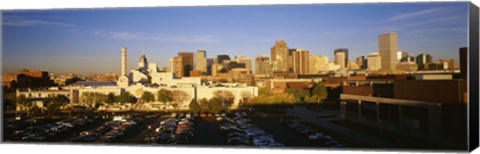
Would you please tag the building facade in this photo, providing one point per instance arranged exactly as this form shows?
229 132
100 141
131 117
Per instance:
301 61
341 57
279 55
200 60
387 47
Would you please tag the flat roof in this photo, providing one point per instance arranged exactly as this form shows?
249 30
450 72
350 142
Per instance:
93 83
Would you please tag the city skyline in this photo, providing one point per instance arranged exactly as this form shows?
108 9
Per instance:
432 28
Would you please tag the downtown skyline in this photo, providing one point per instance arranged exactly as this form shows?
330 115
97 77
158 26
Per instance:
88 41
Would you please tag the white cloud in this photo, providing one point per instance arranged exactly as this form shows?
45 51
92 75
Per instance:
21 21
160 37
414 14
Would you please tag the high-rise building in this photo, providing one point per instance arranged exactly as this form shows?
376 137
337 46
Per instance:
317 64
341 57
124 61
387 46
279 55
312 62
177 65
361 62
209 66
423 60
300 61
374 62
262 65
200 60
322 64
187 62
244 60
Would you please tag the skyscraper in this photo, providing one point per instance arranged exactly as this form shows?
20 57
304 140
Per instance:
209 66
279 55
360 62
300 61
341 57
387 46
423 60
187 62
317 64
262 64
124 61
374 62
200 60
177 66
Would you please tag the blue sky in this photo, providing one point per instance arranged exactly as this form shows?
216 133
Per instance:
88 41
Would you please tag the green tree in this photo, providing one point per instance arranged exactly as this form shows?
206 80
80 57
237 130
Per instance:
93 99
320 92
215 105
126 97
301 94
54 103
164 96
194 106
111 98
148 97
291 93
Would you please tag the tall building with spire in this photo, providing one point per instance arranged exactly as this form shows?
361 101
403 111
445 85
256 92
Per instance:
387 47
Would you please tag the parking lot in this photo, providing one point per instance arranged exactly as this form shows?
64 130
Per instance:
226 129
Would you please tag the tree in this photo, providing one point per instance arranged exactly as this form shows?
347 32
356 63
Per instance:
164 96
194 106
204 107
320 91
92 99
22 100
291 93
126 97
148 97
178 97
226 97
111 98
215 105
10 100
54 103
301 94
246 95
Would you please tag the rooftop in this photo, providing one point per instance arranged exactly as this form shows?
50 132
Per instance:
93 83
